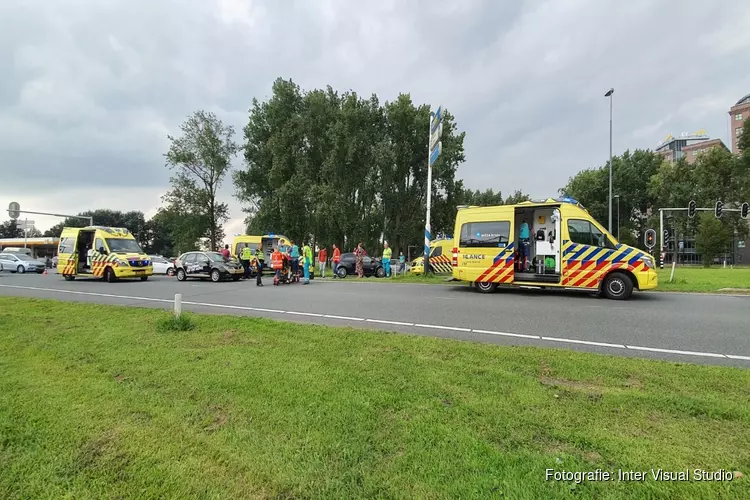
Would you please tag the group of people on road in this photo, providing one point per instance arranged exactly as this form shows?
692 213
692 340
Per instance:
254 260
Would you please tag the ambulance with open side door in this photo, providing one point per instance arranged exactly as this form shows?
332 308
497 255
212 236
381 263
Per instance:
110 253
440 258
566 249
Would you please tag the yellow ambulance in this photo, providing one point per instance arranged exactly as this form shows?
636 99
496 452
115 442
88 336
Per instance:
266 242
110 253
552 243
440 258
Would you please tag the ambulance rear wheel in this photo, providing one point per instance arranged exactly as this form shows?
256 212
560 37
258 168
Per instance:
485 286
617 286
69 277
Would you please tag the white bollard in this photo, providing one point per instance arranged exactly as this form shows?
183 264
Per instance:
671 276
177 305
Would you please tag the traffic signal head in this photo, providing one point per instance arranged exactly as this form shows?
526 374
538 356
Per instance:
717 210
744 210
650 238
691 209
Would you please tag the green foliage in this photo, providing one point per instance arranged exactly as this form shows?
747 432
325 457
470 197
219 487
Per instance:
134 221
340 168
172 323
713 238
201 157
10 229
744 141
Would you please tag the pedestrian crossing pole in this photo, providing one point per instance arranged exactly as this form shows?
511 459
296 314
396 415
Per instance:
434 148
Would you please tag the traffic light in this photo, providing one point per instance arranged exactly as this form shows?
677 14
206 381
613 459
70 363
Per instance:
691 209
717 210
745 208
650 238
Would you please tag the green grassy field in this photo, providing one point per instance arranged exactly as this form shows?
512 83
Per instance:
108 402
698 279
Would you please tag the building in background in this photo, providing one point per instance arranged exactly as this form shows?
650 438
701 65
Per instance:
737 116
691 151
671 148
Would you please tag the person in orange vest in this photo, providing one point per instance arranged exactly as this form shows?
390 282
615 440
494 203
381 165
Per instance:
277 262
322 259
335 259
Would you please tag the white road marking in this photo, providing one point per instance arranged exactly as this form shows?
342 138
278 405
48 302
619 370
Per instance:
506 334
673 351
386 322
438 327
347 318
316 315
585 342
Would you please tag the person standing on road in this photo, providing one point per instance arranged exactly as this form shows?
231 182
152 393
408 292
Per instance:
225 252
322 259
401 263
245 256
307 257
359 253
294 256
261 259
277 262
258 270
387 253
336 258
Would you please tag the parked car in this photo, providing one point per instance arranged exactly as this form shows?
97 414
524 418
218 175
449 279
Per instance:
371 266
21 263
162 265
203 265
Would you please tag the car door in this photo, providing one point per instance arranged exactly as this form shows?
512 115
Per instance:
204 263
190 263
585 252
485 250
7 263
67 256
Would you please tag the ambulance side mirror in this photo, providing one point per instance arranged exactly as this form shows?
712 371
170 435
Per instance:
102 251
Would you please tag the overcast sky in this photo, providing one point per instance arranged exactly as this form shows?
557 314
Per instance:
90 89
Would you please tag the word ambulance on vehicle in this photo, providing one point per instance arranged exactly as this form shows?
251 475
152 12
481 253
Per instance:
110 253
563 247
440 258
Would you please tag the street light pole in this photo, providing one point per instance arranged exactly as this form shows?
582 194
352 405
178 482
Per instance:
609 94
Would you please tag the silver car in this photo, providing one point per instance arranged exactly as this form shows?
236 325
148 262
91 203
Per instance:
20 263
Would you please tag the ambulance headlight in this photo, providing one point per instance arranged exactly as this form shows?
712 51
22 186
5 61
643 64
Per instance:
648 261
123 263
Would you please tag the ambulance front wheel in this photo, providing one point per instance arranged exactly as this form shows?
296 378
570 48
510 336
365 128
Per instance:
617 286
109 275
69 277
485 287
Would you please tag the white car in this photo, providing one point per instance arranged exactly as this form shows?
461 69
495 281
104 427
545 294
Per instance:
162 265
20 263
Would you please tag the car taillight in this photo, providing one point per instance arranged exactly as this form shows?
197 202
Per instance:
455 257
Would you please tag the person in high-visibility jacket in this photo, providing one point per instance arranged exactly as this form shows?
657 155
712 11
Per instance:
246 256
307 257
277 262
387 253
261 259
335 259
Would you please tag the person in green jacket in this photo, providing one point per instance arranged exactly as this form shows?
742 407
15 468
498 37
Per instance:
245 256
307 258
387 253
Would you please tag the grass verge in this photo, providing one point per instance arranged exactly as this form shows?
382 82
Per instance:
96 401
698 279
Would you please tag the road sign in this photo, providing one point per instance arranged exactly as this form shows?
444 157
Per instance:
744 210
437 119
650 238
26 223
718 208
691 208
435 137
14 210
436 153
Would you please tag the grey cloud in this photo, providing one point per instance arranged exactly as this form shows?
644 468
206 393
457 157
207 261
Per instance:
92 88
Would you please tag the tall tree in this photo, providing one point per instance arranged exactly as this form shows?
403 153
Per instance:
10 229
200 158
713 238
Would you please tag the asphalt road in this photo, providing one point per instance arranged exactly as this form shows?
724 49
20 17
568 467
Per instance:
693 328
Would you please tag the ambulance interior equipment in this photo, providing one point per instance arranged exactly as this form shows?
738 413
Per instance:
544 260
